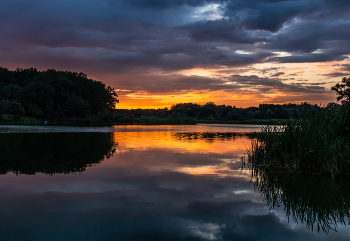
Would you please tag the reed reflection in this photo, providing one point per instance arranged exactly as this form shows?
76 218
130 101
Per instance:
49 153
320 203
212 136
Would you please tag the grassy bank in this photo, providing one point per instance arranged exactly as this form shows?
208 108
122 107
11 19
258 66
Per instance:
11 120
317 144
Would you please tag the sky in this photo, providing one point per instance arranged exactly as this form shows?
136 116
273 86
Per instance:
157 53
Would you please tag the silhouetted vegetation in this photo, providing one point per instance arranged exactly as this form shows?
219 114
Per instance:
318 144
211 113
319 203
65 97
30 153
53 94
343 90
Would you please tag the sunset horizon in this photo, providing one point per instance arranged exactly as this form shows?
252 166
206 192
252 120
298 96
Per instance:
142 100
160 53
175 120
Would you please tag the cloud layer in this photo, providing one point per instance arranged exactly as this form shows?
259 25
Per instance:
142 39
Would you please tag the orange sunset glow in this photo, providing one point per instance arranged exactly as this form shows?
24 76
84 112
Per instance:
226 52
174 120
244 95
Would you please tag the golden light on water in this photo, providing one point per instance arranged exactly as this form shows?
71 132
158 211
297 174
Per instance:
143 141
157 151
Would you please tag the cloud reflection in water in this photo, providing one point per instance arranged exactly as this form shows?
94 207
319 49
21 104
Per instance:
156 186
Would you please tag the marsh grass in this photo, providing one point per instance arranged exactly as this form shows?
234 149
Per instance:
317 144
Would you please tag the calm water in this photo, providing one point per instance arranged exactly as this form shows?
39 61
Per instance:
156 183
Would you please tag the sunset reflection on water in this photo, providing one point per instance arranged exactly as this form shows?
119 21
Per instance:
136 183
159 150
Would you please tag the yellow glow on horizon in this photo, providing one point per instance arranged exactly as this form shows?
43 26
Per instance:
299 74
198 72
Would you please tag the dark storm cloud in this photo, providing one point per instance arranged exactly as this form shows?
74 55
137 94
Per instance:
277 74
171 83
164 4
342 71
176 83
299 27
308 58
267 15
223 30
113 37
269 84
267 70
337 74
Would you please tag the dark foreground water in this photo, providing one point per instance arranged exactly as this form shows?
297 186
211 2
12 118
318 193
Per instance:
156 183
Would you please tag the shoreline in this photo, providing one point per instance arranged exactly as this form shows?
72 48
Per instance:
149 122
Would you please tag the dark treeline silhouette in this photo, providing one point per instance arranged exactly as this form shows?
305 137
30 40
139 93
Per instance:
64 95
53 94
30 153
213 112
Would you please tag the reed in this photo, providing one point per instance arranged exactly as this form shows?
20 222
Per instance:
318 144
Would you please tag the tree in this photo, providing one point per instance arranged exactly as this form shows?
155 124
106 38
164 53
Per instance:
4 105
39 94
11 91
16 109
34 110
343 90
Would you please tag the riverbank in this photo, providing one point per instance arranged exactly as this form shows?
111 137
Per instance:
10 120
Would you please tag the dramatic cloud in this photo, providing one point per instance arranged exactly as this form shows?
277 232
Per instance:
108 39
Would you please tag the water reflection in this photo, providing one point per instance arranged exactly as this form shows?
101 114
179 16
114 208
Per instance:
211 136
318 202
28 153
156 186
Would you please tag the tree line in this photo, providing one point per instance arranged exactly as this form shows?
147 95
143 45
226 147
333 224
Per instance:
54 94
65 95
213 112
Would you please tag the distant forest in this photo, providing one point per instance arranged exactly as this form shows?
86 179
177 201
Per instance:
211 112
53 94
64 95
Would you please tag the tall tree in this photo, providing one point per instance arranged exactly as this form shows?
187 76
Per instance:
343 90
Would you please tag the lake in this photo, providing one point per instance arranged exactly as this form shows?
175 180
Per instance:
156 183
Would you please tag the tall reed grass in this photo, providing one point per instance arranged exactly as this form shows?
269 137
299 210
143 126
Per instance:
317 144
